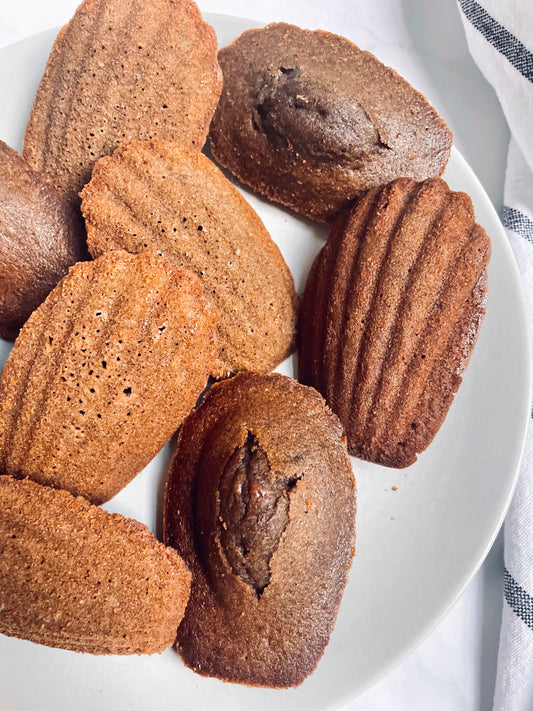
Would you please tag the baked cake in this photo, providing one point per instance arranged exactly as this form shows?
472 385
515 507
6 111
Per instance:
121 70
40 238
390 315
154 195
309 120
260 503
76 577
103 373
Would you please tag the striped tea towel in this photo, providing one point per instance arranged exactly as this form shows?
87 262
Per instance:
500 38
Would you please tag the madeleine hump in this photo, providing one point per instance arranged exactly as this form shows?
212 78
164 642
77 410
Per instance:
309 120
41 236
260 503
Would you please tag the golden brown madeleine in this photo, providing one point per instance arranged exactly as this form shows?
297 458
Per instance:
121 70
154 195
390 315
40 238
260 503
103 373
77 577
309 120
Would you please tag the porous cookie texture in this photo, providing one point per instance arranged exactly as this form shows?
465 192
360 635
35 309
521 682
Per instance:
154 195
309 120
76 577
260 503
121 70
390 315
40 238
103 373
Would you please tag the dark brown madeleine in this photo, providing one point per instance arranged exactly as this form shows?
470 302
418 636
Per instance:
260 503
155 196
103 373
121 70
77 577
391 313
310 120
40 238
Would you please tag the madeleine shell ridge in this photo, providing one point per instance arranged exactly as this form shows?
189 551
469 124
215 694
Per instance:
260 503
156 196
103 373
121 70
391 313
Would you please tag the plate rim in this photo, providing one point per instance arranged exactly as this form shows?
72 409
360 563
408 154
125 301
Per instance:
425 631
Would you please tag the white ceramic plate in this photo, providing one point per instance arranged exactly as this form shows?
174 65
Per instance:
421 533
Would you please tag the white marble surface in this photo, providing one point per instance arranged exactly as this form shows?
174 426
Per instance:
454 668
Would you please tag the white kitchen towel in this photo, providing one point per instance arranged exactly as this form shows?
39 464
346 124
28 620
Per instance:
500 37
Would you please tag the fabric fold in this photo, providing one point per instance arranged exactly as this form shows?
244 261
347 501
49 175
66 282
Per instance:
504 53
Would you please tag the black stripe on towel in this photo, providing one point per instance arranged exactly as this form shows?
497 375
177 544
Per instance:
520 602
518 222
500 38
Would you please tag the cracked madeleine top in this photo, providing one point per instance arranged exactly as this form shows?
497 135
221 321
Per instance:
309 120
260 503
